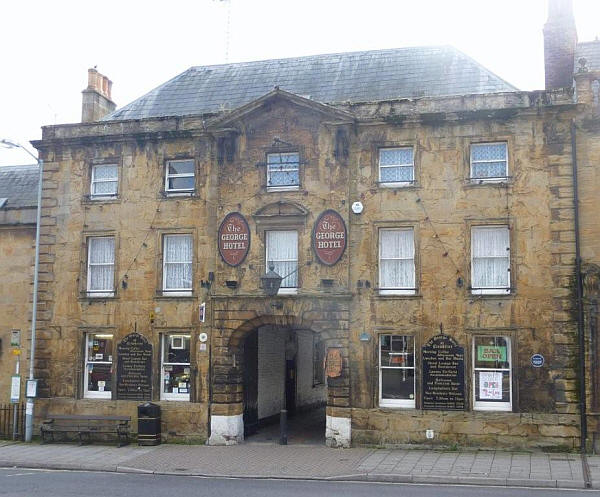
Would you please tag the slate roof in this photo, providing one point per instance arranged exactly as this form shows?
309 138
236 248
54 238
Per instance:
591 51
333 78
18 184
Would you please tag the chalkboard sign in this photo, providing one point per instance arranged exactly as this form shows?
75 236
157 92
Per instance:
134 368
443 374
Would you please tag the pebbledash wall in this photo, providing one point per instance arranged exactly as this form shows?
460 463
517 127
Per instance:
441 207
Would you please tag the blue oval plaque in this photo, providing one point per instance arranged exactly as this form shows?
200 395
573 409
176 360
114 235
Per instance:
537 360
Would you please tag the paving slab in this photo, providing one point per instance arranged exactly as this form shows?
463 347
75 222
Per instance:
311 461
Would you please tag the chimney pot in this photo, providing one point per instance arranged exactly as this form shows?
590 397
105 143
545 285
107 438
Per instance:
96 101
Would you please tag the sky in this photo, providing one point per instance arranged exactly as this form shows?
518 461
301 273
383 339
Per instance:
48 46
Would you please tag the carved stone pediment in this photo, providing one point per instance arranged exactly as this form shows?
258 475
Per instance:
280 214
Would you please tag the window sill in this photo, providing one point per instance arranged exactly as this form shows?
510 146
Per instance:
87 396
496 182
287 291
108 199
411 296
500 407
492 293
182 398
176 296
292 188
98 297
398 405
405 185
179 195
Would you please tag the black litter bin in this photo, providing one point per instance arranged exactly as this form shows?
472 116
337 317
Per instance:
148 424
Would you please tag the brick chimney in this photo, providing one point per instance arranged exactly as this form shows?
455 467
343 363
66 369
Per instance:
97 102
560 42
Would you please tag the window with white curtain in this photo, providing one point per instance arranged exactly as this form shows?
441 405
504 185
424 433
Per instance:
101 266
177 265
97 381
396 166
175 367
180 176
396 371
283 171
492 382
396 262
489 161
105 180
282 253
490 260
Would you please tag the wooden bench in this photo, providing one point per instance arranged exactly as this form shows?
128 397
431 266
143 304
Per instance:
85 426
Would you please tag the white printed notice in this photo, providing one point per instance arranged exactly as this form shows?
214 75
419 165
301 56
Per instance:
490 385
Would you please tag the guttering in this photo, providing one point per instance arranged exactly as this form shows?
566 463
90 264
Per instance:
579 294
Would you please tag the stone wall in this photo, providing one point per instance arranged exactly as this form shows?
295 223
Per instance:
387 427
441 206
16 277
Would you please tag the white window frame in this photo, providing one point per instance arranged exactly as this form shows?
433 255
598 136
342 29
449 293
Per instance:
283 188
168 176
501 290
499 179
87 394
284 290
483 405
411 165
93 181
404 403
176 292
104 292
399 290
173 396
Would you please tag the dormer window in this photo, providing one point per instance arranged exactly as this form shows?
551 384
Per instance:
283 171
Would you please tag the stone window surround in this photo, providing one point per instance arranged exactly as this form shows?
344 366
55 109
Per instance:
282 223
153 335
108 161
283 149
513 335
397 224
402 329
396 403
474 223
80 374
376 146
177 397
174 194
479 140
160 237
83 270
106 395
469 333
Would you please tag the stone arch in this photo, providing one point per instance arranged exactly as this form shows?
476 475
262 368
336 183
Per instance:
290 322
236 318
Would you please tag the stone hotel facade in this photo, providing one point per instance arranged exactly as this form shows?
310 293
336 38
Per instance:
424 218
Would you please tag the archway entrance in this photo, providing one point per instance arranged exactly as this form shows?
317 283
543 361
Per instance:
242 400
283 369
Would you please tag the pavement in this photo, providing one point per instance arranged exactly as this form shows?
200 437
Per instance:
313 462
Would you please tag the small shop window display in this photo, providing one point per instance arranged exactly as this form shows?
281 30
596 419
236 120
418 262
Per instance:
175 367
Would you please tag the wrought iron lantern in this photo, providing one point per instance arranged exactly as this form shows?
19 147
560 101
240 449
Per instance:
271 281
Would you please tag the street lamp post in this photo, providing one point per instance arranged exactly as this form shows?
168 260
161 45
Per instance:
30 400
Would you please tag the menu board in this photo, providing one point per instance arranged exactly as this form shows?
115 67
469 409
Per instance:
443 374
134 368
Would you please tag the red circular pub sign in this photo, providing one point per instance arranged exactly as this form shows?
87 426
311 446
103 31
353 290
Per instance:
234 239
329 237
